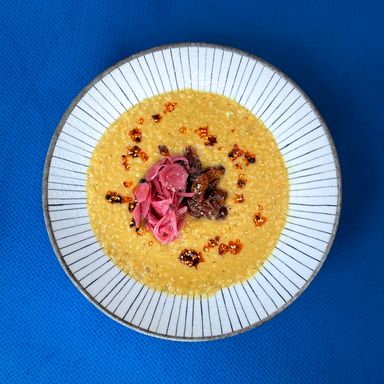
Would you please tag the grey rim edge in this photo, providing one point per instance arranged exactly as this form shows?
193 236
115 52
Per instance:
48 163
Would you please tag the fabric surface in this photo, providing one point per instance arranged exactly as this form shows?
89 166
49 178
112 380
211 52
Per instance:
49 333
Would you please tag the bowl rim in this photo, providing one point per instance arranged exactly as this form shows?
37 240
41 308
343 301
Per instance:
47 165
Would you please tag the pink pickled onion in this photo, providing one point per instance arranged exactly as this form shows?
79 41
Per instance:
160 198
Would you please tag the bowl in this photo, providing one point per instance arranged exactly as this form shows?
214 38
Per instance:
303 140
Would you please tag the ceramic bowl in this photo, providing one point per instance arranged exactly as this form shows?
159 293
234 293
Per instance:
305 144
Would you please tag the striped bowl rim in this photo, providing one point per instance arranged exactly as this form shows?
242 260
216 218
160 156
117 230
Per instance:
45 194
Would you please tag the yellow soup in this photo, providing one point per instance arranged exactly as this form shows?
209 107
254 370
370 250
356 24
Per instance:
266 192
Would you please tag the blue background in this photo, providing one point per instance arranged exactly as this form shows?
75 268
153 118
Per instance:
334 333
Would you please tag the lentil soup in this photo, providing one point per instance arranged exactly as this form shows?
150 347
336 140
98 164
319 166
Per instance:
208 254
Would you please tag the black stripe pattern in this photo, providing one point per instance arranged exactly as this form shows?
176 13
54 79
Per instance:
304 144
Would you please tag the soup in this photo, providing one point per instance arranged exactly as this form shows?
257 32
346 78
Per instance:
222 133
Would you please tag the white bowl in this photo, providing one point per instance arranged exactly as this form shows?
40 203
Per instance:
302 137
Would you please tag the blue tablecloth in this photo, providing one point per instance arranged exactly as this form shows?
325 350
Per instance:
49 333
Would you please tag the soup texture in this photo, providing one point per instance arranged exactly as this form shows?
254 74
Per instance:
256 182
